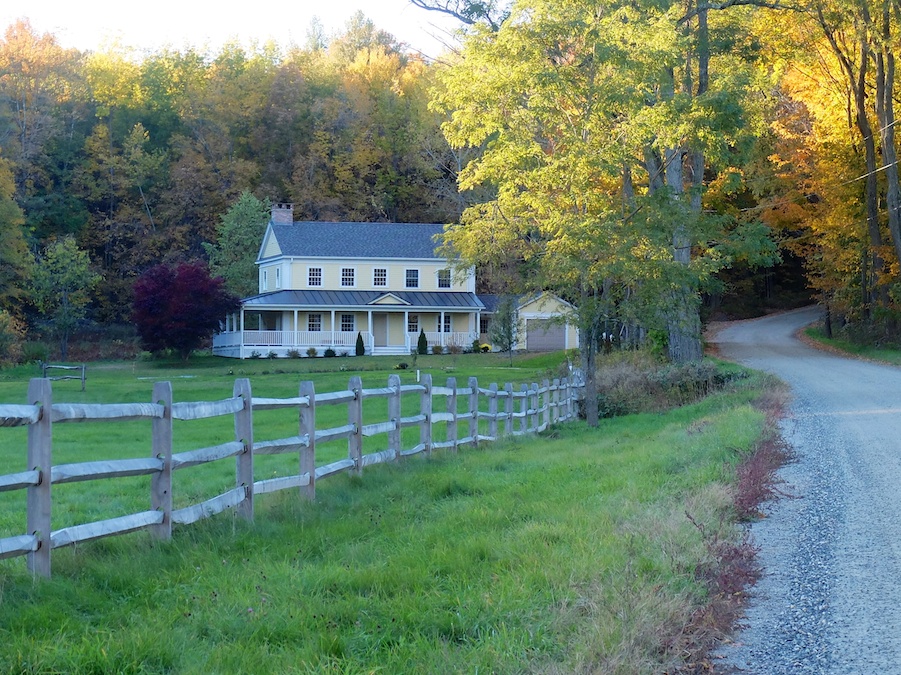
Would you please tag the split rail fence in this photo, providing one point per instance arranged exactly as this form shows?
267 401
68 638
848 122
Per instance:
531 409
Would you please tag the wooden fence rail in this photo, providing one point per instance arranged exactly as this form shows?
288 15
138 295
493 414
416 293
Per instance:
529 410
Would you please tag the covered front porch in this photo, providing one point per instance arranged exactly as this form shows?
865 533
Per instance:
304 331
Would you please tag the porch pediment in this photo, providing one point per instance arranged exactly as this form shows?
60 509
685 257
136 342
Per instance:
389 299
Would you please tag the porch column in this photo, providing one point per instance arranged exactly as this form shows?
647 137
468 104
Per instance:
332 338
371 338
241 341
294 341
441 334
405 329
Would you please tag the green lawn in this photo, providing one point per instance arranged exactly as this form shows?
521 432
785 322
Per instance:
570 552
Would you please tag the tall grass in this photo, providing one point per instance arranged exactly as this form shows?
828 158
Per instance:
570 552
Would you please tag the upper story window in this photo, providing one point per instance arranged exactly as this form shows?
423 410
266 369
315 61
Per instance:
347 323
278 277
413 323
444 278
314 322
412 279
265 280
314 276
380 276
347 276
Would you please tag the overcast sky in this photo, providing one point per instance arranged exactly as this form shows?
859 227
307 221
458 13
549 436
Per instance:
89 24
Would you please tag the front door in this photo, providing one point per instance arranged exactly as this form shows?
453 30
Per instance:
380 329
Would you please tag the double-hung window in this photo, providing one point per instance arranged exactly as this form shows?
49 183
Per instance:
380 276
412 279
314 322
347 277
413 323
314 276
347 323
444 278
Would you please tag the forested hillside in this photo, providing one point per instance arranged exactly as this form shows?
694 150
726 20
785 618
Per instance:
635 158
139 156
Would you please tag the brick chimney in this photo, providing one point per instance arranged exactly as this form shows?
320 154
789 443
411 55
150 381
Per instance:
283 214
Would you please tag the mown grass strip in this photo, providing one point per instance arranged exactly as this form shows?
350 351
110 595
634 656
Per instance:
570 552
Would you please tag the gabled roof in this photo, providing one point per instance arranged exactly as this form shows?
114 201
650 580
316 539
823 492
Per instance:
316 239
412 300
491 302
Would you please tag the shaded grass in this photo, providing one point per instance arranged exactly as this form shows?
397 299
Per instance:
865 350
570 552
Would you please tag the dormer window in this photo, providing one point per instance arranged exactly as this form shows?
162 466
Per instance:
412 279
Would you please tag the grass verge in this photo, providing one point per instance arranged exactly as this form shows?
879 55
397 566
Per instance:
578 551
816 335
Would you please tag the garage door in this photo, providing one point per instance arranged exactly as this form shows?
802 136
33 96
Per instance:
542 336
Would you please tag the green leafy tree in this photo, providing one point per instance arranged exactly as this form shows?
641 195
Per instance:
504 326
61 287
15 260
240 232
597 143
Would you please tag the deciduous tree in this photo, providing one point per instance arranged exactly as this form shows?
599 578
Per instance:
178 307
61 287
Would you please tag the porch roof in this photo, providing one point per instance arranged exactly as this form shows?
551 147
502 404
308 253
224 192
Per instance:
364 300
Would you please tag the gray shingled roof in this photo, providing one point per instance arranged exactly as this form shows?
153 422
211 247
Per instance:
418 300
357 240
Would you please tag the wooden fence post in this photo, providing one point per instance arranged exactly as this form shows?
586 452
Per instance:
452 409
308 428
534 402
355 417
567 399
394 415
492 410
40 458
425 407
474 410
524 409
161 483
508 409
244 434
555 402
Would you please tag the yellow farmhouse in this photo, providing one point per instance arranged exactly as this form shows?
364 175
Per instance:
321 284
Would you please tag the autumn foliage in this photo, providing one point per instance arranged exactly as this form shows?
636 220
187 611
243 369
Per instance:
178 307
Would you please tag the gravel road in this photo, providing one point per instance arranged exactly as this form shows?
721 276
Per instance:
830 597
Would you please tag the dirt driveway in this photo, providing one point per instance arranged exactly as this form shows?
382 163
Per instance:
830 598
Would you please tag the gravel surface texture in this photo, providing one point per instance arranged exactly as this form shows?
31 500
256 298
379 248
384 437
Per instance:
830 597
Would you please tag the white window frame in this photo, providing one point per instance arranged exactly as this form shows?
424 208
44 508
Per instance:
446 328
375 283
265 280
413 323
407 278
310 271
444 278
349 273
278 277
352 323
314 319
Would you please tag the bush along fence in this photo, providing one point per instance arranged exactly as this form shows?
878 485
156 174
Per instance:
509 413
